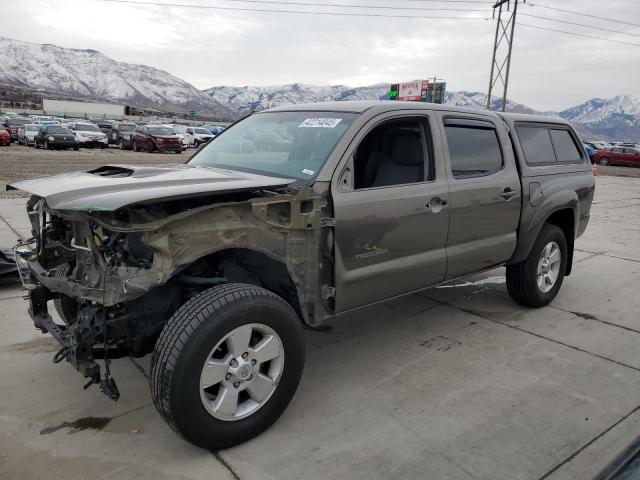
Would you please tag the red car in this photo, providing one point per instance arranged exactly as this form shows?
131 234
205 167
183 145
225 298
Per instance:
156 139
5 138
13 124
618 156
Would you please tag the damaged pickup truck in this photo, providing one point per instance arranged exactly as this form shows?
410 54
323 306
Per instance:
289 218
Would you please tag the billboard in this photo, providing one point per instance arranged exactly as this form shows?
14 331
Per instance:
418 91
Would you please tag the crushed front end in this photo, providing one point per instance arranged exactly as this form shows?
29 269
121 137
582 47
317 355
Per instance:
99 280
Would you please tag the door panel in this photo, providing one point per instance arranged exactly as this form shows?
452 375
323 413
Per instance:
389 242
485 208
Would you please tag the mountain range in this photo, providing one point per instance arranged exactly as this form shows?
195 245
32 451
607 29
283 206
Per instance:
89 74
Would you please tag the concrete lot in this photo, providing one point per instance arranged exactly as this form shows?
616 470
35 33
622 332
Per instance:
456 382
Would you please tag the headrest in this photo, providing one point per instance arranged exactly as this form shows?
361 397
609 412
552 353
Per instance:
407 150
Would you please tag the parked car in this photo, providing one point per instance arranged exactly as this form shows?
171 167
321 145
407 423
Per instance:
42 120
590 150
181 136
214 129
5 137
89 135
629 156
217 265
27 134
156 138
122 135
12 124
55 137
105 127
197 136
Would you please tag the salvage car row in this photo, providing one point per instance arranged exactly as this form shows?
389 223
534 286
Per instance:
51 133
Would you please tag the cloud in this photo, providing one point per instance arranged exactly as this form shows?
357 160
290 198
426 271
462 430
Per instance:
216 47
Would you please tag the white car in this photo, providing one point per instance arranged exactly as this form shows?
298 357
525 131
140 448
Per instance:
89 135
26 134
197 136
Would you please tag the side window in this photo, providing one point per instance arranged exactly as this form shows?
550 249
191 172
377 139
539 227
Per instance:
474 149
564 146
396 152
536 145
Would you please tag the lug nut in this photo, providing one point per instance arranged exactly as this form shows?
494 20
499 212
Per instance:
228 377
245 355
236 385
253 362
234 363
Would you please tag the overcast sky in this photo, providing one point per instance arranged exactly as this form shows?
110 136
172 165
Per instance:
208 47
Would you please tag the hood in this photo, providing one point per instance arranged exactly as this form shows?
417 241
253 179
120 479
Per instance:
113 186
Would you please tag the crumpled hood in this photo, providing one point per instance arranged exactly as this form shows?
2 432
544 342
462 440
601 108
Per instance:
113 186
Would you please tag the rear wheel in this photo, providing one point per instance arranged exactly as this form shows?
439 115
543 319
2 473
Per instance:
227 364
604 161
149 147
536 281
121 144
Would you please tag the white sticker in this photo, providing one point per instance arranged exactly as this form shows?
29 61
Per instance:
320 123
308 172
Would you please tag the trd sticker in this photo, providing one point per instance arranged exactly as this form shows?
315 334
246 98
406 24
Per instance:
320 123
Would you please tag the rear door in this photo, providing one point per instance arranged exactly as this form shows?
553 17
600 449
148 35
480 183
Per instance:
485 194
391 211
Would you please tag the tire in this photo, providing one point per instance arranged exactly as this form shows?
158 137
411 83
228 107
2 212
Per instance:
186 343
604 161
76 148
149 147
46 145
179 151
522 278
66 307
135 147
121 144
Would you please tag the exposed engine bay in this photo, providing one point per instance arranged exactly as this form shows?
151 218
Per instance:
116 277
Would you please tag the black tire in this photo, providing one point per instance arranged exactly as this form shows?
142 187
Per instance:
604 161
150 147
121 145
179 151
185 343
66 307
76 148
521 278
46 145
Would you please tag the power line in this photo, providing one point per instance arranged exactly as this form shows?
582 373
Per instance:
344 5
580 24
261 10
579 34
583 14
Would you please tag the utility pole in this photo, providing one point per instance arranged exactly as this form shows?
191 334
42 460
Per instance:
501 60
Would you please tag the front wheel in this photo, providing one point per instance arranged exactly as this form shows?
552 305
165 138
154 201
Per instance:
604 161
227 364
536 281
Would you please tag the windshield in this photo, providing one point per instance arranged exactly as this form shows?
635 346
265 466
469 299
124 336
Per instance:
289 144
126 127
57 129
30 128
202 130
160 131
86 127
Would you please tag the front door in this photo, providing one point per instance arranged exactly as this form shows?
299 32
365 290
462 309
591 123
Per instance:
485 195
392 217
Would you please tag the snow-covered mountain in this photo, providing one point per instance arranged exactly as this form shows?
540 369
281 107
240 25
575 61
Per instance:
616 119
247 99
92 75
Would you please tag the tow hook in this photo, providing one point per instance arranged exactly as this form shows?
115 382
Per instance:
107 386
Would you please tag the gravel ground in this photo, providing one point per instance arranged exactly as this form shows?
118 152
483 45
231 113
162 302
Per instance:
18 162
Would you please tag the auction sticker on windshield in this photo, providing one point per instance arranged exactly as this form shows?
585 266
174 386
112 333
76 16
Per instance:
320 123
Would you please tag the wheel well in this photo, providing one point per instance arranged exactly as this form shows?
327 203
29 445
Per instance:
239 265
565 219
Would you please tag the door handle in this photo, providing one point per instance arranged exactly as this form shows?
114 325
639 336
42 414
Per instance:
436 204
508 193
